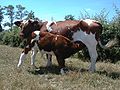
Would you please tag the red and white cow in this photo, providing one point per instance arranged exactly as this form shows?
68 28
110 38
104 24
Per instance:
84 32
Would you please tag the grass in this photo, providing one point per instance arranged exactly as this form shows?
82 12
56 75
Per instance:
107 76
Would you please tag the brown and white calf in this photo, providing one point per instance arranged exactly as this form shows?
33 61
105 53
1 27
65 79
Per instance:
86 32
61 46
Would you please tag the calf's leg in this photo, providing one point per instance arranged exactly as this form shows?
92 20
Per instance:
49 60
22 56
21 59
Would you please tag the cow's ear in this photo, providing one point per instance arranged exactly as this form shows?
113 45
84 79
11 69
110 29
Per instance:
18 23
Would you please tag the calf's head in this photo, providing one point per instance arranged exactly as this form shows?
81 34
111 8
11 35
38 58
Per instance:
27 27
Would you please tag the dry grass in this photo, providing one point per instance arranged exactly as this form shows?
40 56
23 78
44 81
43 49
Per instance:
107 76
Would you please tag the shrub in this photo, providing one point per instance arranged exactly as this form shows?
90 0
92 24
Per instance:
11 37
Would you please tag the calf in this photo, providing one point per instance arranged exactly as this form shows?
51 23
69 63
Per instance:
60 45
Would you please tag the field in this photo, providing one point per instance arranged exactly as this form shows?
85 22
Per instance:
107 76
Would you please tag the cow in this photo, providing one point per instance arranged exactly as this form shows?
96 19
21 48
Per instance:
58 45
85 32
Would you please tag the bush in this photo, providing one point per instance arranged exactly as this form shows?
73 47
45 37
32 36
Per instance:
1 37
10 37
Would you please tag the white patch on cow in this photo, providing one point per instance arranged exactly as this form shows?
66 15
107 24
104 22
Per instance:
87 39
62 71
89 21
25 21
56 37
27 46
48 25
37 33
90 42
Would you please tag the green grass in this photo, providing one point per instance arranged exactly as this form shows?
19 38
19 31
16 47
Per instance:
107 76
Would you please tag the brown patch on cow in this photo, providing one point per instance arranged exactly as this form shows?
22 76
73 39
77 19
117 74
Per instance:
84 27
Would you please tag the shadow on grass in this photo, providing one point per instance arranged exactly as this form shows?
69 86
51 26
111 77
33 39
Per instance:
113 75
54 69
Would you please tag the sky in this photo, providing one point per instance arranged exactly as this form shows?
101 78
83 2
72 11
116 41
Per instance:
58 9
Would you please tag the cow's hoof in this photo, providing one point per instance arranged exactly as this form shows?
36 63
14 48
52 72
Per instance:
91 70
49 64
34 67
63 71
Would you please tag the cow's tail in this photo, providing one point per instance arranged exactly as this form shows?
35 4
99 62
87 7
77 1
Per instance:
111 43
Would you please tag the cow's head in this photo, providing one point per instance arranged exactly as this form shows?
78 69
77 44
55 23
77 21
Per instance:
27 27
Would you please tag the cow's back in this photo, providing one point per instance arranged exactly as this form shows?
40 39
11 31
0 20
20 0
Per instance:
61 25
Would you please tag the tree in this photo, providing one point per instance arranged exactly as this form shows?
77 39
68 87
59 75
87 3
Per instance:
1 28
69 17
1 17
11 14
21 13
30 15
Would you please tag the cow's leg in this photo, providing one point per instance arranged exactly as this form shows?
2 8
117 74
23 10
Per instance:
93 57
34 52
21 59
23 55
48 57
61 63
49 60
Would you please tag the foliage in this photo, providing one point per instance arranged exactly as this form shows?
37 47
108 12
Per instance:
69 17
21 12
10 13
1 17
1 28
1 13
32 16
11 37
84 16
1 37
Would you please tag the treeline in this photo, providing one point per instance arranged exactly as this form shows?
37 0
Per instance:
11 13
111 29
